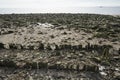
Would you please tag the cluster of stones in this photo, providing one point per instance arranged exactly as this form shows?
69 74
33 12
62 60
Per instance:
25 75
6 31
48 64
42 46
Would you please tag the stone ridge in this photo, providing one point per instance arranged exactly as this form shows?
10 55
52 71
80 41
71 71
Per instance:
48 37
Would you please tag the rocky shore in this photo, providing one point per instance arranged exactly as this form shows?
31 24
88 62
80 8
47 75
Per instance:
47 51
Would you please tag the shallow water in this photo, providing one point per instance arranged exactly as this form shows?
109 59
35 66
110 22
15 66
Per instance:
94 10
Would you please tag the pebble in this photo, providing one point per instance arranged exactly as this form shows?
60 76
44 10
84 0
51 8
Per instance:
117 69
117 73
103 73
6 55
101 68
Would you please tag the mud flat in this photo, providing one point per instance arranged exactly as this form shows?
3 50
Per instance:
67 47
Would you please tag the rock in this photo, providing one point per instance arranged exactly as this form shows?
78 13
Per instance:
117 74
19 46
80 66
117 69
103 73
96 59
53 46
58 62
101 68
91 67
64 66
30 77
6 46
80 55
20 64
36 47
116 57
74 67
69 56
20 56
113 52
6 56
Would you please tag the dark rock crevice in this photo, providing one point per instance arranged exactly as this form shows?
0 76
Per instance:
1 46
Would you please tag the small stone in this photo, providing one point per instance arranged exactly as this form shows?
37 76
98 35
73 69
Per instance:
74 67
58 62
101 68
7 46
80 55
6 55
30 77
1 60
53 46
117 69
117 73
81 66
65 66
103 73
68 56
20 64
